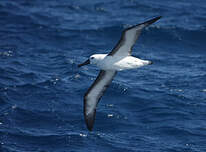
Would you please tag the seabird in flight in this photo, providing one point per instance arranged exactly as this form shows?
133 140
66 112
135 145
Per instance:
118 59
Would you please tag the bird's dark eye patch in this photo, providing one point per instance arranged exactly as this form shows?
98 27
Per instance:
92 57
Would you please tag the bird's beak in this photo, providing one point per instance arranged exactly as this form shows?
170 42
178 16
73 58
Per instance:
85 63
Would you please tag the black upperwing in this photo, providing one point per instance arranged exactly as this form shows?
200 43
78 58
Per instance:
129 37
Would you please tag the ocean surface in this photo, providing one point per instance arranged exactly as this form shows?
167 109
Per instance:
157 108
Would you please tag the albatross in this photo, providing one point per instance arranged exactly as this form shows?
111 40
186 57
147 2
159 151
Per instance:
118 59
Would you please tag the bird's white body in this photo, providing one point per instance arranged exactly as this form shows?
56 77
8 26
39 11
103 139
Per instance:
117 63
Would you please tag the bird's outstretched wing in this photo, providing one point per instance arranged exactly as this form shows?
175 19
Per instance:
94 94
129 37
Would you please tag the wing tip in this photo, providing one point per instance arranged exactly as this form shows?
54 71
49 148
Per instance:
89 128
152 20
89 119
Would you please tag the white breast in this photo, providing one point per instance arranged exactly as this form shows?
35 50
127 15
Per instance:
120 63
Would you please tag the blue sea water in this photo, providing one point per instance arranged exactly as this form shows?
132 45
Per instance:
157 108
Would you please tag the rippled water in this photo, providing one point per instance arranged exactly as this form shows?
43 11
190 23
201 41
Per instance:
155 108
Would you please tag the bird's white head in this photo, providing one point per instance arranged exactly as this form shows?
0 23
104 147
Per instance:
93 59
